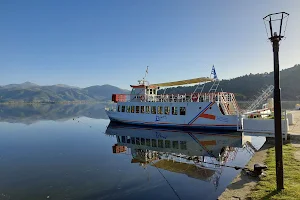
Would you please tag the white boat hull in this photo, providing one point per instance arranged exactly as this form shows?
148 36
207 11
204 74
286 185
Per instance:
201 115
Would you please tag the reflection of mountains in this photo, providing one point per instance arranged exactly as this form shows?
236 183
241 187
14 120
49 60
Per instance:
32 113
187 152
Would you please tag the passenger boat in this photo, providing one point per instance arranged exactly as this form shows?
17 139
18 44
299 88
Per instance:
143 106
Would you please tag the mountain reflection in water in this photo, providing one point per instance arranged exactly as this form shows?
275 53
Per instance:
32 113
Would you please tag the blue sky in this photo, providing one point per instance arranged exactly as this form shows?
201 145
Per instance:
84 43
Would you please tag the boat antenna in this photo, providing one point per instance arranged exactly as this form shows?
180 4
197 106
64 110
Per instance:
145 75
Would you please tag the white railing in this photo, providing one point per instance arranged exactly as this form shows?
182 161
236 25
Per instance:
226 100
192 97
111 108
261 123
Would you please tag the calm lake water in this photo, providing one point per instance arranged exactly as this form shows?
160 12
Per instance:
74 152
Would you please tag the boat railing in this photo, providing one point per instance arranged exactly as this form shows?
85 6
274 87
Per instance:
111 108
227 100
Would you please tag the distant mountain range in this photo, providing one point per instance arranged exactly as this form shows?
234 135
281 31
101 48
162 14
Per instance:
245 88
30 92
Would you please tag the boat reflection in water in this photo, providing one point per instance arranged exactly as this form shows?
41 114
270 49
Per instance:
196 154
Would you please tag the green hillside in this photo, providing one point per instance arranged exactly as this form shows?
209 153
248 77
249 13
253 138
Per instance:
246 87
29 92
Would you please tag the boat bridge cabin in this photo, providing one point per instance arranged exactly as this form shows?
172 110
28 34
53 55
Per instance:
139 92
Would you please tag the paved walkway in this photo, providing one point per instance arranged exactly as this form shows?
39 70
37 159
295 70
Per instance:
294 131
295 128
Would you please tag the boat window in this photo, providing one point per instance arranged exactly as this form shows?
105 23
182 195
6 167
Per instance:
154 91
132 140
133 91
174 110
159 110
128 109
123 108
154 143
153 109
123 139
142 109
128 139
118 138
142 141
183 145
175 144
167 110
150 91
132 109
137 141
167 144
137 109
148 142
182 110
147 109
119 108
160 143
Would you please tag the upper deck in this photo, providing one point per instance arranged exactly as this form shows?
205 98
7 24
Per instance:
145 92
224 99
187 97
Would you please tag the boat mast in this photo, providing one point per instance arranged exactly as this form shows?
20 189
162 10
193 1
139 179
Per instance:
145 76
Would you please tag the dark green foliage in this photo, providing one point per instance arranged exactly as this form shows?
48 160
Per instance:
246 87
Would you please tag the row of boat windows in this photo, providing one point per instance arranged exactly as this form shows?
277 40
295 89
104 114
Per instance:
149 91
153 142
152 109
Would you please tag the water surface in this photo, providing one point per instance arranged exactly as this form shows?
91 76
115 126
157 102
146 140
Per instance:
74 152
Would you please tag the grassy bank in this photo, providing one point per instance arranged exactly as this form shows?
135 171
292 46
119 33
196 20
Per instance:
266 188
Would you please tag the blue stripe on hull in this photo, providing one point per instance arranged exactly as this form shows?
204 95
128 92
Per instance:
225 128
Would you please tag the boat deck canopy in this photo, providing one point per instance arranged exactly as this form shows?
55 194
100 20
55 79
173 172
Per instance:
183 82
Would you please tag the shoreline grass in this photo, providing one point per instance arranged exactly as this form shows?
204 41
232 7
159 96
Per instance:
266 187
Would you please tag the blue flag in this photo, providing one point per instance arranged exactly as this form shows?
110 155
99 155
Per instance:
213 72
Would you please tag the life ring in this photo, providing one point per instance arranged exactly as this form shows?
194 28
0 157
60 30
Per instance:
142 98
194 97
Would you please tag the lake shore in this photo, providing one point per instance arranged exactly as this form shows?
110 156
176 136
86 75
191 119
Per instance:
243 185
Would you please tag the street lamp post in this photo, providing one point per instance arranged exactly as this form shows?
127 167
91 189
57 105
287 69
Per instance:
275 37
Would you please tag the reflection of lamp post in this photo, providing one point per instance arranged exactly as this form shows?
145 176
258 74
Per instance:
275 21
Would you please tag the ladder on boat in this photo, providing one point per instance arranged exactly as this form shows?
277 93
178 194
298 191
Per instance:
264 95
214 86
229 104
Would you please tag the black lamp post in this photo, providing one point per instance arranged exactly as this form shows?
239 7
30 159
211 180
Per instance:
276 21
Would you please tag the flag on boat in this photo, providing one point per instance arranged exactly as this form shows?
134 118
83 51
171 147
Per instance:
213 72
